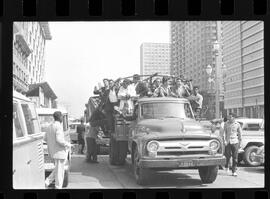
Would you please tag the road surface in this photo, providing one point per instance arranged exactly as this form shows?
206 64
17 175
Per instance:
84 175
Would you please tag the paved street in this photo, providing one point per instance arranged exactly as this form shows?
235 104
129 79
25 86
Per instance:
103 175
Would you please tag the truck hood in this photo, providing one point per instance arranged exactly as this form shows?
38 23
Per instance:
174 127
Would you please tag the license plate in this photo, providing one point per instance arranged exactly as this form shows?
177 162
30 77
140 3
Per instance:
185 164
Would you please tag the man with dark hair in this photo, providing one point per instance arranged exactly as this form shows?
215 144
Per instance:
57 148
81 131
232 138
96 121
196 100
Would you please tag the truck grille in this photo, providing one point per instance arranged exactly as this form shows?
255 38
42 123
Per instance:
178 153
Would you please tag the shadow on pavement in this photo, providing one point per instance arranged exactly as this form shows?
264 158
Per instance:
254 169
168 179
107 176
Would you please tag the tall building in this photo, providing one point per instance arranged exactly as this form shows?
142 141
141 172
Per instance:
243 55
155 58
29 39
192 50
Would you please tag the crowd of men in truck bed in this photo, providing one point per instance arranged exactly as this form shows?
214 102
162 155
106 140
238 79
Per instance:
121 95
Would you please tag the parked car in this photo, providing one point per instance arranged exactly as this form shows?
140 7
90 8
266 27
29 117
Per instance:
252 139
28 157
45 116
73 132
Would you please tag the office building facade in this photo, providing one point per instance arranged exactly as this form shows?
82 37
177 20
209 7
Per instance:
155 58
29 39
243 55
192 50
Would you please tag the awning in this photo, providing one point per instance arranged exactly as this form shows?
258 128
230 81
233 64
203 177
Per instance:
48 92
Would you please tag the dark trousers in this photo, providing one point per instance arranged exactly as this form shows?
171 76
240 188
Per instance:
81 144
91 149
110 121
231 150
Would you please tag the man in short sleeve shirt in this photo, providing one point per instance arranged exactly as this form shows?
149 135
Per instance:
232 139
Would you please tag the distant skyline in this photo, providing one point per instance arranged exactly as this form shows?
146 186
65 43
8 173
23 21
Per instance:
81 54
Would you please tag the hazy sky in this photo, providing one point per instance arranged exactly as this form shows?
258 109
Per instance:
81 54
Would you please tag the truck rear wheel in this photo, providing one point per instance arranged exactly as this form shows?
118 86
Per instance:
208 174
122 152
139 173
113 152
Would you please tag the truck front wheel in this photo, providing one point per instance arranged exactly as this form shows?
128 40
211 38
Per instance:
208 174
139 173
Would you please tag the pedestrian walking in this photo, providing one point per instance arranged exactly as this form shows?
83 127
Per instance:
58 150
81 131
91 137
232 138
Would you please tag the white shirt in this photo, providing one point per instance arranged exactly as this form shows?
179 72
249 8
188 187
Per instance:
199 99
123 92
132 89
112 96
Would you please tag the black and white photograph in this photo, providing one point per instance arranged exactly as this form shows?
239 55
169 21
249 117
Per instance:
138 104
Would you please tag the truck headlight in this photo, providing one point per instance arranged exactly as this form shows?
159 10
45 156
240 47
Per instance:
214 145
152 146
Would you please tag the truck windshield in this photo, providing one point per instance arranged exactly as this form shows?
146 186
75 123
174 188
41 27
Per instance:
166 110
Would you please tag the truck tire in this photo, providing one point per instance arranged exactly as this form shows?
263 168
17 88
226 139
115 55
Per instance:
208 174
113 152
140 174
248 156
65 183
122 152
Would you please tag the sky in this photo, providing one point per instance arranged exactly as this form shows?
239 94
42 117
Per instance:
81 54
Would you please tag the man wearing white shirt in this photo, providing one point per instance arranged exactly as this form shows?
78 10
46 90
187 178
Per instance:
132 86
57 148
126 104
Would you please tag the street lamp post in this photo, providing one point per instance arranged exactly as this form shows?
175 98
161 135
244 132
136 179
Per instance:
218 64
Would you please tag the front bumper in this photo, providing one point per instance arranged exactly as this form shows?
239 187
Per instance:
182 162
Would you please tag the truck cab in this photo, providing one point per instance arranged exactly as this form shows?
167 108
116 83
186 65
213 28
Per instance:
163 134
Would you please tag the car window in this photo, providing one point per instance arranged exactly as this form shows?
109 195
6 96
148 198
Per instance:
45 121
252 127
30 118
166 110
17 121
